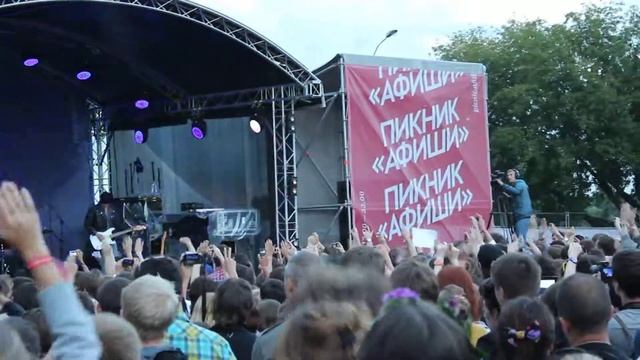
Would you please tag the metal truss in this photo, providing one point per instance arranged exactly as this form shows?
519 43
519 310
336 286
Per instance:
216 21
248 97
100 159
285 174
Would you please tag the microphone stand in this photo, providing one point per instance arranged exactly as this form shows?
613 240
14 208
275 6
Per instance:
58 236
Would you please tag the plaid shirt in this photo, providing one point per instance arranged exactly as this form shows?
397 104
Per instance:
196 342
218 274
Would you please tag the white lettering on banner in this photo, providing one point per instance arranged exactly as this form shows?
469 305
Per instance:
414 123
426 147
408 83
435 209
474 93
420 188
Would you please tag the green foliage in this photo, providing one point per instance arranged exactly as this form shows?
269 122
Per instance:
564 102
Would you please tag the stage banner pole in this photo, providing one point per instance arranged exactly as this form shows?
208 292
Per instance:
419 149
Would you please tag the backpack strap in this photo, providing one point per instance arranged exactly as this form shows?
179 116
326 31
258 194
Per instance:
625 329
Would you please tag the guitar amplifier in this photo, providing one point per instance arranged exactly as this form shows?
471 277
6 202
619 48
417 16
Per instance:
153 203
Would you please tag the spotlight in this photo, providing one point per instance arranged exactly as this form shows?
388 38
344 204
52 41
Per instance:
31 62
140 136
142 104
292 124
293 186
83 75
255 126
199 129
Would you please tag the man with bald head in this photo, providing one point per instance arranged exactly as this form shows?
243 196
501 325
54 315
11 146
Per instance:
584 309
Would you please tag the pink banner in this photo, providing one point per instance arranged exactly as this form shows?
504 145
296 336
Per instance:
419 149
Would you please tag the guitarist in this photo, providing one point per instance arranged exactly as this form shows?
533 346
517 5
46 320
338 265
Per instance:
99 218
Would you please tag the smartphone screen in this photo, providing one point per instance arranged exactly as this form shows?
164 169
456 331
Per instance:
546 283
607 271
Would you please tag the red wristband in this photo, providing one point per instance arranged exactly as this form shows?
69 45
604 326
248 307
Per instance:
37 261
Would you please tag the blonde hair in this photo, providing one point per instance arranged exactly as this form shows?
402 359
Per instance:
150 304
196 310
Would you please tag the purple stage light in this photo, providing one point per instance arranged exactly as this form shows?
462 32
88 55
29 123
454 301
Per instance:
83 75
139 137
142 104
199 129
31 62
197 133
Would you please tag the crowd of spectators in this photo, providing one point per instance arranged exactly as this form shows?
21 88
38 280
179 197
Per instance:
551 295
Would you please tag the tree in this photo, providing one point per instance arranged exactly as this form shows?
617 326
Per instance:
564 102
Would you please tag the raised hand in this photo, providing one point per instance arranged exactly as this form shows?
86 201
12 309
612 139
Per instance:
542 229
382 238
556 233
355 238
628 214
482 224
453 253
127 244
406 235
186 241
203 248
229 264
266 264
622 227
574 251
571 234
138 247
368 235
268 248
80 256
514 244
20 222
384 250
441 250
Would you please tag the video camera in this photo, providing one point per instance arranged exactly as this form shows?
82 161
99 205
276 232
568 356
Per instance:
497 175
191 258
604 269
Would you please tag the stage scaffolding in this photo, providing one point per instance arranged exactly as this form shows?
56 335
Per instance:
281 99
323 166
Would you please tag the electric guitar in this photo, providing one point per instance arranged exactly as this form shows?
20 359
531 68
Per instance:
109 233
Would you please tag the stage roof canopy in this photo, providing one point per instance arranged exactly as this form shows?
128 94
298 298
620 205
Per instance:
141 49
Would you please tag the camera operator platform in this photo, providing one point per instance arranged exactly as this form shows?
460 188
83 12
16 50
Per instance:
520 201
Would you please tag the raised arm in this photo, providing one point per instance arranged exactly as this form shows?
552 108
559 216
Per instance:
72 328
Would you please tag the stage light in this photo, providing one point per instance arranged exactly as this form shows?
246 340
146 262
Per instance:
83 75
292 125
31 62
255 126
140 136
293 186
198 129
142 104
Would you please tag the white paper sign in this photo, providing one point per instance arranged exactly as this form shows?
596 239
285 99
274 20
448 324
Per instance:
424 238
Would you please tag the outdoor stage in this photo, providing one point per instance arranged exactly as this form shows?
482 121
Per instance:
83 79
74 73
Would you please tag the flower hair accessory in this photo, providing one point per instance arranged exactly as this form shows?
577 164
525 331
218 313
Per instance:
532 333
400 293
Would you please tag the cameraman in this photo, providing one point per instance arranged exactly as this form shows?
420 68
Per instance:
626 283
520 200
